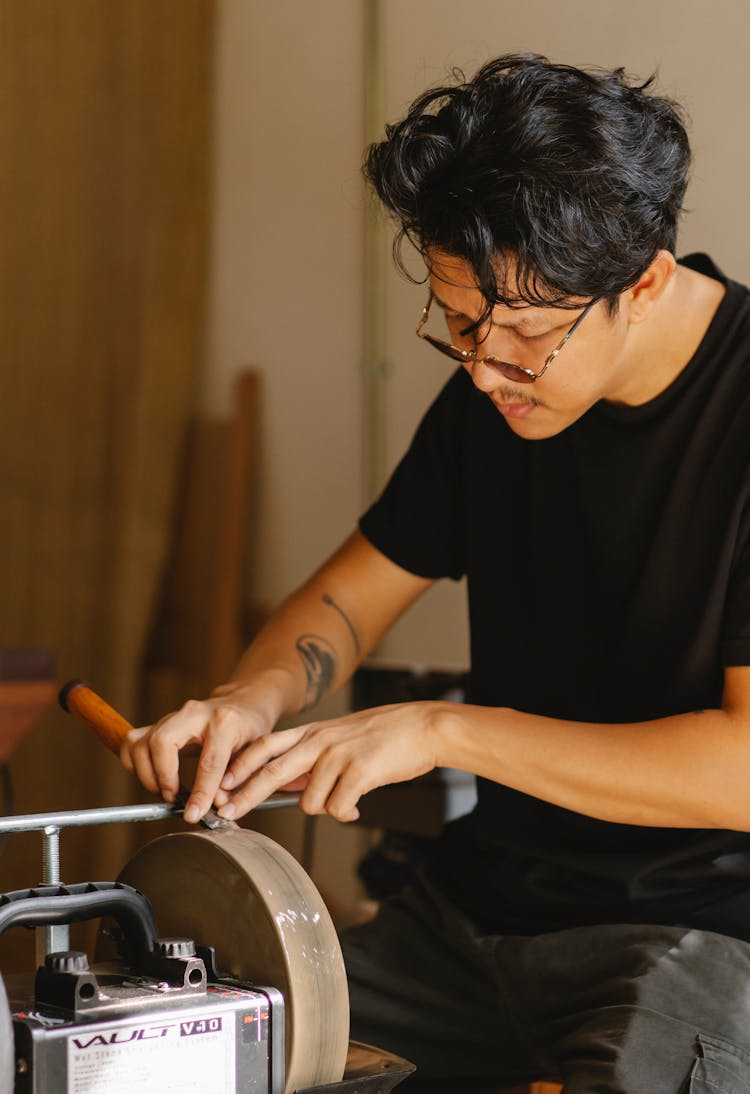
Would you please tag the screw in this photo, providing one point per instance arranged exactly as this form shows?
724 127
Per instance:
51 855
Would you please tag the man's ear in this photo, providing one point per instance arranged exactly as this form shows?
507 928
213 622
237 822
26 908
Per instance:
649 287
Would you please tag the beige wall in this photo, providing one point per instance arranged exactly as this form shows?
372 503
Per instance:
286 276
285 296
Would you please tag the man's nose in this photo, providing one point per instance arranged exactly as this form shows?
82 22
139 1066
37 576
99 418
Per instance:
485 376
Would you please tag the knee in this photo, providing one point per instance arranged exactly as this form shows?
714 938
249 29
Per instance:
633 1049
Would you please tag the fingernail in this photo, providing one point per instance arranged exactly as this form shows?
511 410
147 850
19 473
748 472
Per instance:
227 812
227 782
192 814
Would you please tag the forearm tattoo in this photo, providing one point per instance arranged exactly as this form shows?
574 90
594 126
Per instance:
319 662
332 604
319 657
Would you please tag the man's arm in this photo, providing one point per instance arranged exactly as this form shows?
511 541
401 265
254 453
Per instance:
690 770
310 646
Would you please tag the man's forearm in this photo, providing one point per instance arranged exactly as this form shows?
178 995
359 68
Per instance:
314 641
308 648
689 770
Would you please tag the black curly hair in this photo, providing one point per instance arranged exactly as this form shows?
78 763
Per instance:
551 182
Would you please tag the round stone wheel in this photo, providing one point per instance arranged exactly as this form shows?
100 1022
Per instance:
243 894
7 1053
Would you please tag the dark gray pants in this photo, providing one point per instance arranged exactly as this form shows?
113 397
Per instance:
612 1009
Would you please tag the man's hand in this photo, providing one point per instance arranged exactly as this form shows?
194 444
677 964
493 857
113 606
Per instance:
218 728
338 761
311 644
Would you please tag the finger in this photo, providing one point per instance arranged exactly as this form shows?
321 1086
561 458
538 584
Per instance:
171 736
137 758
259 752
336 784
296 785
321 782
278 772
222 738
221 797
341 803
127 743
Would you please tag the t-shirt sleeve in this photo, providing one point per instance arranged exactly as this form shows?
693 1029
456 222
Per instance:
417 521
735 649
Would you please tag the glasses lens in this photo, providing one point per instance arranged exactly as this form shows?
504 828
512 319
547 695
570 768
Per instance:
449 351
514 373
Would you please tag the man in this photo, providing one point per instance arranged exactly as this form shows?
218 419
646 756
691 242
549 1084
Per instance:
588 468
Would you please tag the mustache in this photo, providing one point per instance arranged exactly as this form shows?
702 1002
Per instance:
508 394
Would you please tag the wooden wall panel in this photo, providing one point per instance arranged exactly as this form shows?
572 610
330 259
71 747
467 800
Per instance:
105 141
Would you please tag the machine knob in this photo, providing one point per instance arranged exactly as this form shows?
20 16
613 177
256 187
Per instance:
174 947
67 961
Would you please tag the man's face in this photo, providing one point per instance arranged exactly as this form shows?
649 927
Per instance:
590 367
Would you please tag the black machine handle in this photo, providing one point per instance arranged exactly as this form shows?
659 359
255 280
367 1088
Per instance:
56 905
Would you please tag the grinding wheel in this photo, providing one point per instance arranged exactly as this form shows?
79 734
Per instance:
7 1053
240 892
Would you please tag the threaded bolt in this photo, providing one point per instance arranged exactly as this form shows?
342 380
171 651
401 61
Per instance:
51 855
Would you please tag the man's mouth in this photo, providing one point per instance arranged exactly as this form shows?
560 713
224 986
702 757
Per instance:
511 406
515 410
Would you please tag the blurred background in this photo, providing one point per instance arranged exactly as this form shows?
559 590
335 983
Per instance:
207 362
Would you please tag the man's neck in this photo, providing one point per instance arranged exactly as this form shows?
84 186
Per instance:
661 347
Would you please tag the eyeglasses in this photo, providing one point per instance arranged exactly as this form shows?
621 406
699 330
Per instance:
511 372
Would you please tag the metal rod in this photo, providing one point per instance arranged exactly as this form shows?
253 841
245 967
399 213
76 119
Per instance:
116 814
76 818
278 801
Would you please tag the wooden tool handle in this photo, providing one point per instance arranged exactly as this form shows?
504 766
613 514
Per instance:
76 697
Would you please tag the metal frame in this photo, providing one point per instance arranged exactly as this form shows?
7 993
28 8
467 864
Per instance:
52 939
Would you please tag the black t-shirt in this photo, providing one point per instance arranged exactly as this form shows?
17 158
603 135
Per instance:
608 573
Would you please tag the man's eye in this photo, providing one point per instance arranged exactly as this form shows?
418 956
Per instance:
456 323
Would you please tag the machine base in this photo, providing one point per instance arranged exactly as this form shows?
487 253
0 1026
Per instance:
368 1070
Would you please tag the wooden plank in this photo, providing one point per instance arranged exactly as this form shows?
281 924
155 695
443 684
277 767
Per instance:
198 631
105 141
